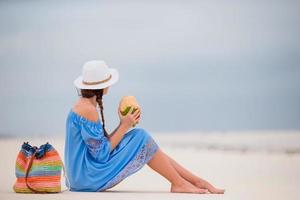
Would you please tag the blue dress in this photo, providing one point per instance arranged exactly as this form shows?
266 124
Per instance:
92 165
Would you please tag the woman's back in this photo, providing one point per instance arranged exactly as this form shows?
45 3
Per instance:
84 139
86 109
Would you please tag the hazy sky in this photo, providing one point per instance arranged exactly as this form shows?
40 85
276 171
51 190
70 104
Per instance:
193 65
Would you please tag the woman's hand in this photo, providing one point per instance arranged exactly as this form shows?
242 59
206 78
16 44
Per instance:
126 122
130 119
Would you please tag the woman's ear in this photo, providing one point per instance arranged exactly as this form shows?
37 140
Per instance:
105 90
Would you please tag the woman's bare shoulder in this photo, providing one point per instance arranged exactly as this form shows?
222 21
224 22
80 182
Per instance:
87 111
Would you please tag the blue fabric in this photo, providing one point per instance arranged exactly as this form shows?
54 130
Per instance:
92 165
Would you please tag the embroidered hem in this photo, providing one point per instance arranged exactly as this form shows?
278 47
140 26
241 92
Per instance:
141 158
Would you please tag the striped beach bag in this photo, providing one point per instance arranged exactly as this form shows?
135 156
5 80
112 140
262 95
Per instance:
38 170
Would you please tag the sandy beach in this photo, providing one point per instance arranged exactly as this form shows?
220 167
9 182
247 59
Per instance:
249 165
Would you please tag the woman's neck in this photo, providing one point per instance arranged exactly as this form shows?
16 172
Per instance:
91 100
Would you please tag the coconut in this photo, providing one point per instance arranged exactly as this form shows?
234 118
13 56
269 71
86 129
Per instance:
126 103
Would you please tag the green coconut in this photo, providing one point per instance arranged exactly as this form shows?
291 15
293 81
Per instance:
125 112
126 103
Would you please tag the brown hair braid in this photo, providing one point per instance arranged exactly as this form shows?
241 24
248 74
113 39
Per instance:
87 93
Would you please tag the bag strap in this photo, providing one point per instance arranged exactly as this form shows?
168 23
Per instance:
26 175
27 172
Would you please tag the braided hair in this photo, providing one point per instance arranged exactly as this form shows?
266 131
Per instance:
87 93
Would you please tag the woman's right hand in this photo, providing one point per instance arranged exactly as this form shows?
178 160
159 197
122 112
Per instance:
130 119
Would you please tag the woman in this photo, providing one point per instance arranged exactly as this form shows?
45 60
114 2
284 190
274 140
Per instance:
96 160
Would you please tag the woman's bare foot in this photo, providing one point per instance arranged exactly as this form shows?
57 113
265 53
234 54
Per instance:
187 187
206 185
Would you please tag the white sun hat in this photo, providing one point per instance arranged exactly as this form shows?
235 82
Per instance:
96 75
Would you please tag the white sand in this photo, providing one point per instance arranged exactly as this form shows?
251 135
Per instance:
248 165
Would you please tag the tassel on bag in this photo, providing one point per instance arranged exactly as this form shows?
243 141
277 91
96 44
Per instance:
38 170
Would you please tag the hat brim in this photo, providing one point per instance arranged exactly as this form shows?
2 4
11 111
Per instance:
114 78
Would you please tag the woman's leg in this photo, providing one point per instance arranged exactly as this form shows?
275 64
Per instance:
195 180
161 164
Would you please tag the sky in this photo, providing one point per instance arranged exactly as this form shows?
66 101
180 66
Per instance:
192 65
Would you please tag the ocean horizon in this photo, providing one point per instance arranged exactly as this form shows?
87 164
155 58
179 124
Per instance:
254 142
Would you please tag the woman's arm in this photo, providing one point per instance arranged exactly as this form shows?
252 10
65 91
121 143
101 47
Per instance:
126 123
116 136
